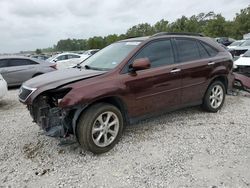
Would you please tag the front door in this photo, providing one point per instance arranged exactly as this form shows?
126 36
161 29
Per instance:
155 89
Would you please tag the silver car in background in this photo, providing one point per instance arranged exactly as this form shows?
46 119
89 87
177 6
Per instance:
3 87
16 70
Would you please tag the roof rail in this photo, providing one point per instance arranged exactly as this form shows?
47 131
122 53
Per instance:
181 33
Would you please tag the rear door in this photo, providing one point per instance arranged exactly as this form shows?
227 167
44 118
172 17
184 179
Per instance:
196 65
19 70
157 88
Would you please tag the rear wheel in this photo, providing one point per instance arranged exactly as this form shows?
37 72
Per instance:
99 128
214 97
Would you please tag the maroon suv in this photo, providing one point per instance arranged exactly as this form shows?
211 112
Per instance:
128 81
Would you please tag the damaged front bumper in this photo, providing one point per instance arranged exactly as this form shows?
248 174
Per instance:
50 118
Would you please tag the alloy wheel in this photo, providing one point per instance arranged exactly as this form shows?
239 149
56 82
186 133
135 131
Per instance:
105 129
216 96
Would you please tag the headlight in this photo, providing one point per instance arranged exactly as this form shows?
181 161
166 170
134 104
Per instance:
25 92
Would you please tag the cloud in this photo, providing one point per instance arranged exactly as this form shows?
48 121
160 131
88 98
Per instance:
31 24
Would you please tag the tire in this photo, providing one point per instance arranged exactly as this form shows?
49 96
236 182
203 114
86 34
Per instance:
92 128
214 97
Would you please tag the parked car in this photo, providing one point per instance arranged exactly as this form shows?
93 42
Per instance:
40 57
242 65
235 44
245 46
224 40
91 52
128 81
3 87
16 70
66 60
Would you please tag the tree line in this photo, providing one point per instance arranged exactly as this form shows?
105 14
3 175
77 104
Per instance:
209 24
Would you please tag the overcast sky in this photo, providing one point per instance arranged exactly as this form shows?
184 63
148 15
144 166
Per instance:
31 24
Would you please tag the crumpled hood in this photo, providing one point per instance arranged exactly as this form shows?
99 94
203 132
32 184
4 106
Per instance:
61 77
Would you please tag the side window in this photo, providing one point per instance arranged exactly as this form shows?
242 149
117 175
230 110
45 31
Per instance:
30 62
62 57
3 63
187 50
203 51
71 56
212 52
159 53
20 62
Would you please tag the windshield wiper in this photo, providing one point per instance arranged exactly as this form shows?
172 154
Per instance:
95 68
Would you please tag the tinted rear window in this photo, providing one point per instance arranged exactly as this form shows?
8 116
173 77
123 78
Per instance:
187 50
20 62
210 50
203 51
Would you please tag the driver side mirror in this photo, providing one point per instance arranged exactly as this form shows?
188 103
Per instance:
55 60
140 64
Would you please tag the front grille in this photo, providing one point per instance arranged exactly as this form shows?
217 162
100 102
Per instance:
25 92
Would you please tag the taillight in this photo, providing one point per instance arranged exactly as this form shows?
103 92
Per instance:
53 66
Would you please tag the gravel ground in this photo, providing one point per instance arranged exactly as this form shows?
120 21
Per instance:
186 148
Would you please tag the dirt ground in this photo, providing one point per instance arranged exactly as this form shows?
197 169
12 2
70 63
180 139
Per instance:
185 148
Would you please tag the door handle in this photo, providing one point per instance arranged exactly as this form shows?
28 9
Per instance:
175 70
211 63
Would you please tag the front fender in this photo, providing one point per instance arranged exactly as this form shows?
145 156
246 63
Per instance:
87 95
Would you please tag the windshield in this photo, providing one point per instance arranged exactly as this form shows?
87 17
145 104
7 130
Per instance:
246 43
236 43
111 56
247 54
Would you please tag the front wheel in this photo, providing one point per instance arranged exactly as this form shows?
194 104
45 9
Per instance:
214 97
99 128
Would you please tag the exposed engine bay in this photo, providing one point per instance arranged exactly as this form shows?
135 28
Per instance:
52 119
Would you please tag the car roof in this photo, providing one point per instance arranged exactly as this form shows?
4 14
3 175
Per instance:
14 57
135 39
22 57
165 35
67 53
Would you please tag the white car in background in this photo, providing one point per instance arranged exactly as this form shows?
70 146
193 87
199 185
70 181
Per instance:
66 60
3 87
245 46
242 64
235 44
90 52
